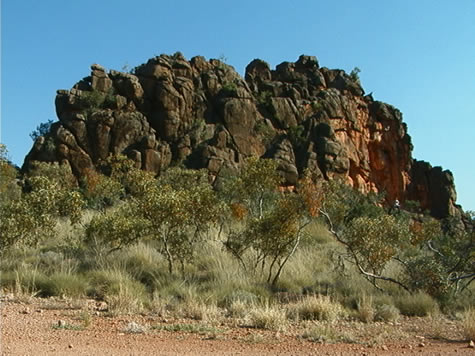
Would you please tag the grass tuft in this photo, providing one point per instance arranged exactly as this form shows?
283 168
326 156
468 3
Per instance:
189 328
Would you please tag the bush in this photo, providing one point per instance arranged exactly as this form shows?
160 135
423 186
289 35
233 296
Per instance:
419 304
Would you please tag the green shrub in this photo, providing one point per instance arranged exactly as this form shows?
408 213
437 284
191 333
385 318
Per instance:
418 304
355 75
63 284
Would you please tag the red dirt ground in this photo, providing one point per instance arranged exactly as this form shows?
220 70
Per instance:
31 329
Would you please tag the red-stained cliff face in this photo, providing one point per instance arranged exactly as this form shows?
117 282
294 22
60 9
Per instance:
205 115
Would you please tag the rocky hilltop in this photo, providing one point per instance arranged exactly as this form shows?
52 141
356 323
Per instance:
203 114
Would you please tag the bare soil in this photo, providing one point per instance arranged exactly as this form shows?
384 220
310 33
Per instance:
56 327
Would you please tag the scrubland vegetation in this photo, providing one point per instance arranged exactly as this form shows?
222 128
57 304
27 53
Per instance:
236 250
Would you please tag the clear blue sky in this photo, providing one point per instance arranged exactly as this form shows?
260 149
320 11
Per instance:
418 55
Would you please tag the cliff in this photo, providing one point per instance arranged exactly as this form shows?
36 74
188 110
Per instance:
205 115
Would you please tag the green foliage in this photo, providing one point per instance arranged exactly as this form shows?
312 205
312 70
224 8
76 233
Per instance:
419 304
317 106
117 228
95 99
101 191
59 174
62 283
374 241
229 89
41 130
264 130
175 211
9 189
92 99
296 136
180 210
437 262
270 224
255 186
264 98
355 75
32 217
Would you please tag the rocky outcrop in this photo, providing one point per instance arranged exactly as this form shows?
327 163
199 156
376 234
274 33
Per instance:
205 115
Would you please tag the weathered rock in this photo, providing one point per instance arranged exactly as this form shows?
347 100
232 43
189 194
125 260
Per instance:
433 188
205 115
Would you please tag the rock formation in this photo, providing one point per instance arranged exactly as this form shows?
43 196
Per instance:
205 115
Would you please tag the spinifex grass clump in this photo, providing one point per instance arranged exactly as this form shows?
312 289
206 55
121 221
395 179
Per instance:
313 307
265 316
468 323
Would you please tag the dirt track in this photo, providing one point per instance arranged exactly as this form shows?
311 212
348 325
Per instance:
33 329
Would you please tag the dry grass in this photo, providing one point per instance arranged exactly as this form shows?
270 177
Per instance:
124 302
315 308
197 310
365 310
267 317
238 309
324 333
468 323
386 312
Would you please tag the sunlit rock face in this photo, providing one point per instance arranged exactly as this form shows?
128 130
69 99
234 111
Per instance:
203 114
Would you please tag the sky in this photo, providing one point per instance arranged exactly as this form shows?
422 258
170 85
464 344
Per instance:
418 55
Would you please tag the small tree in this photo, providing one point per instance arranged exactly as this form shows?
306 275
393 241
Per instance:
432 260
180 213
27 220
267 222
117 228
